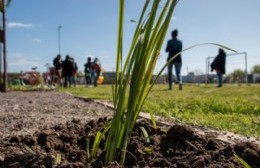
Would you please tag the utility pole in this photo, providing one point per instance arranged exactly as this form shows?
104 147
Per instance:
59 37
3 41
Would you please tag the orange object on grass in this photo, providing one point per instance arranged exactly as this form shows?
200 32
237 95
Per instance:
100 80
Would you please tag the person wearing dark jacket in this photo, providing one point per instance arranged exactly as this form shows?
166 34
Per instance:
57 63
219 65
174 46
87 71
67 70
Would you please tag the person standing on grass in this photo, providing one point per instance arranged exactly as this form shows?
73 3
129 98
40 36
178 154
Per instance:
57 63
67 68
219 65
96 70
87 70
74 72
174 46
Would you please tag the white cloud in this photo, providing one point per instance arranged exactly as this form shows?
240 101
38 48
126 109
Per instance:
19 25
18 61
36 40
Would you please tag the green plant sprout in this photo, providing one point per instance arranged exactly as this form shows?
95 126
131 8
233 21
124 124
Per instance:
135 73
133 77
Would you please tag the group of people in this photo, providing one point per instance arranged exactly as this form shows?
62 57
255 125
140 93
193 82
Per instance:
65 71
174 48
92 70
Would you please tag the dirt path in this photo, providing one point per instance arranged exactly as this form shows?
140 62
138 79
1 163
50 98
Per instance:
26 112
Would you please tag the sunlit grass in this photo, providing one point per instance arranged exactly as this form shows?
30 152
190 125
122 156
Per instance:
232 107
103 92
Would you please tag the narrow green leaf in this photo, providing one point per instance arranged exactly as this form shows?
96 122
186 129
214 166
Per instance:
145 133
246 165
96 143
153 121
58 159
148 151
29 149
87 149
98 139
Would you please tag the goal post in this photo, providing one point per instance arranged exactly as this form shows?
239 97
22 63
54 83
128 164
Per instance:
208 59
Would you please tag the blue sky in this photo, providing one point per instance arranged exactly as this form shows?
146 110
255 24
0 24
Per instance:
89 28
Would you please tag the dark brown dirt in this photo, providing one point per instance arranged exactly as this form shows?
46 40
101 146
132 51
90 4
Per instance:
176 146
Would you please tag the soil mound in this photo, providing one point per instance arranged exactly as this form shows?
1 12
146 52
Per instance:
177 146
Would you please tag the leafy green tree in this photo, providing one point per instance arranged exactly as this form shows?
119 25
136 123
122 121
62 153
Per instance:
256 69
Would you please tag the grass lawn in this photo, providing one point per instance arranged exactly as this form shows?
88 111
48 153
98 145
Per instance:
232 107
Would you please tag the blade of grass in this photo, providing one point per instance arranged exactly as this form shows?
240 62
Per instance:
113 136
246 165
29 149
97 140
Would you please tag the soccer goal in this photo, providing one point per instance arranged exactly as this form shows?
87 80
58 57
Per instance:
231 64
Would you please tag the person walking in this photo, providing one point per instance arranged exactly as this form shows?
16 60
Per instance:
174 46
219 65
87 70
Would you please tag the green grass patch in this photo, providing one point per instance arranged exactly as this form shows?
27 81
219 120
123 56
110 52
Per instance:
232 107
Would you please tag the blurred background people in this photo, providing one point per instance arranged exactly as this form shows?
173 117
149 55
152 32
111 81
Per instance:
56 76
174 46
67 68
219 65
96 70
74 72
87 71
